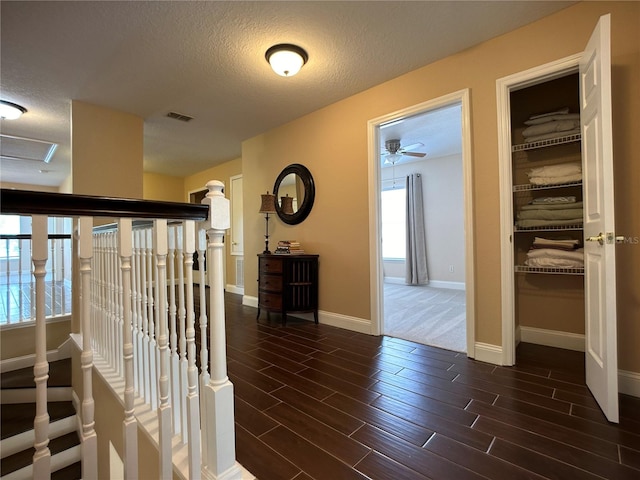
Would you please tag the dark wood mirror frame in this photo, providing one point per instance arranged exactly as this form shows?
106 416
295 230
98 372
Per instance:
309 194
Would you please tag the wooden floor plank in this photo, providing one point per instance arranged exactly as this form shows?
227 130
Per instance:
318 402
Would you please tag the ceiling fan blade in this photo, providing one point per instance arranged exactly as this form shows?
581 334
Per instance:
412 146
414 154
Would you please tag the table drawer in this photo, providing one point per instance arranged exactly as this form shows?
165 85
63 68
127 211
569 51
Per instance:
272 283
270 265
270 301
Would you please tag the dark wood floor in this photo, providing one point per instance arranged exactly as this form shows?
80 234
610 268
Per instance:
314 401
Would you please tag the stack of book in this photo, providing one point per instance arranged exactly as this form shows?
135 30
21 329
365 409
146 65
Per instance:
288 247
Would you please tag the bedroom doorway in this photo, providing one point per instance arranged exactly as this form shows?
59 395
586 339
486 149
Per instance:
431 142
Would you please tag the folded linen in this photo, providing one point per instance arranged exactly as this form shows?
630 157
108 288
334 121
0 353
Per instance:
537 120
555 180
554 263
549 127
569 244
544 214
553 200
553 206
550 257
577 255
547 114
549 136
557 170
535 222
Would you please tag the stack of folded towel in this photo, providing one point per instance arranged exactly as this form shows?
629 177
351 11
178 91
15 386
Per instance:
550 125
550 211
555 253
555 174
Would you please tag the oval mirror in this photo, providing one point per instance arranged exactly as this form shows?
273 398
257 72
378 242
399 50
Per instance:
295 191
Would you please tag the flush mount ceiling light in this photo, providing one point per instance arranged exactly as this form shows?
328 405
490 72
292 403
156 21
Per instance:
286 59
10 111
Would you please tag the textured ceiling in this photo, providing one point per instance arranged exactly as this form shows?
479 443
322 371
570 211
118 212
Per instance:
206 60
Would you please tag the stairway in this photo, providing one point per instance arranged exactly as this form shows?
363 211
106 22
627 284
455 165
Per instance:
17 412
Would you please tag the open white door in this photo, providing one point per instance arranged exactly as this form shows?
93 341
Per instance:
599 226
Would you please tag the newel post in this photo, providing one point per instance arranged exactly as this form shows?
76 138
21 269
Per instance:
218 393
89 438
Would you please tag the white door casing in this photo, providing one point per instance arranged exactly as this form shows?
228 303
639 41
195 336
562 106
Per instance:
237 236
601 355
375 248
594 67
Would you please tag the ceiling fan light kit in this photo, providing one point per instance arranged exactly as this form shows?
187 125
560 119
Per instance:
10 110
286 59
395 151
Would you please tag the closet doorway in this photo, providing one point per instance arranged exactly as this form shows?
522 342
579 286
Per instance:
429 300
590 100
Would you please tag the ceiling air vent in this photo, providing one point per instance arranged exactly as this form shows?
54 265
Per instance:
179 116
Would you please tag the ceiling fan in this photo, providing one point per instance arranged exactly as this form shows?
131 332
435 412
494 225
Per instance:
394 151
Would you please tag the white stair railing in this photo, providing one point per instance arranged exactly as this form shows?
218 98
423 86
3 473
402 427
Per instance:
144 343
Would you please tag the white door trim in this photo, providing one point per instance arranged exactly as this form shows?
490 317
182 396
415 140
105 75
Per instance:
375 257
504 86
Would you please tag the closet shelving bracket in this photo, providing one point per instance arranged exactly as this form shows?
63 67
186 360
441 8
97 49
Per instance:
549 270
576 137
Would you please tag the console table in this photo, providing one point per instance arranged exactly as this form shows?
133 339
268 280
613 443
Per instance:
288 284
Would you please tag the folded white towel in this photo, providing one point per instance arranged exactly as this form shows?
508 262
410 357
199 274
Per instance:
552 117
577 254
562 110
557 170
555 180
554 263
549 127
549 136
553 200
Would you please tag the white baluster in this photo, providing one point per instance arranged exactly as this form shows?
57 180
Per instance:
193 408
153 372
164 410
53 267
130 424
221 457
182 312
89 438
7 269
134 310
119 351
173 334
204 351
42 455
146 367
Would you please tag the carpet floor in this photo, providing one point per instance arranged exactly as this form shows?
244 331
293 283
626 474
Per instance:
427 315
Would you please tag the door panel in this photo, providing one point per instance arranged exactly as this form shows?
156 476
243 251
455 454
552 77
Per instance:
599 228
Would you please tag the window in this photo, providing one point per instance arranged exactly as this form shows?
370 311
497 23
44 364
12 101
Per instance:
394 214
9 225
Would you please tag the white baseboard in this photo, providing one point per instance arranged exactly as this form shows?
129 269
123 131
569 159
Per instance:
25 361
432 283
355 324
250 301
234 289
552 338
446 284
629 382
344 321
486 352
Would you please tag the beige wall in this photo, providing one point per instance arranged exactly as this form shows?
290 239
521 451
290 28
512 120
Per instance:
339 166
26 186
162 187
19 341
198 181
104 144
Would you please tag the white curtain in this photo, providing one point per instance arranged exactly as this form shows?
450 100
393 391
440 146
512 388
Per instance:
416 263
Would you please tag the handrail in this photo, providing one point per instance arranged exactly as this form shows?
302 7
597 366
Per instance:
27 236
26 202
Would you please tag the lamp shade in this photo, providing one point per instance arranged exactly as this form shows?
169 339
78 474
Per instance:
268 203
11 111
286 59
286 204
